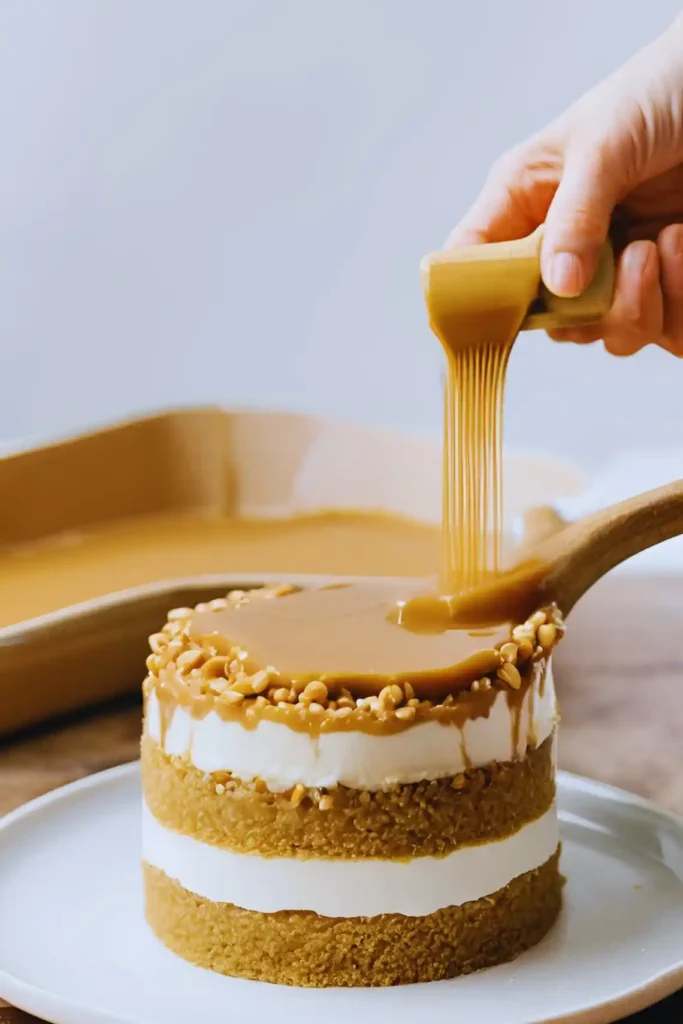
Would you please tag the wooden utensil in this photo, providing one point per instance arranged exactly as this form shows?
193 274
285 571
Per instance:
467 279
564 562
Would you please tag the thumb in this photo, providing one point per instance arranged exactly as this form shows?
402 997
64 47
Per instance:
577 223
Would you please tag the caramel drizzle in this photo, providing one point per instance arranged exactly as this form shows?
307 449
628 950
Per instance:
469 705
171 694
472 515
516 705
166 711
477 298
531 731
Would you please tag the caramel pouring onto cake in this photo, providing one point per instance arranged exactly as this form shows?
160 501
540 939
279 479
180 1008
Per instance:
478 297
306 822
340 787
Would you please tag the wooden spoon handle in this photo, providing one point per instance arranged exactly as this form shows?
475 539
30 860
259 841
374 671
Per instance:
564 562
540 523
579 555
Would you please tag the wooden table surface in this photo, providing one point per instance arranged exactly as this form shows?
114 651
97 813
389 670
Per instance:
619 677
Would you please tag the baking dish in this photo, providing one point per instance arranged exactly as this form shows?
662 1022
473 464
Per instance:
77 609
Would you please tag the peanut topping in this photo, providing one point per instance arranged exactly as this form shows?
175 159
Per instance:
546 636
259 682
298 793
406 714
233 697
189 660
508 652
316 691
211 667
179 614
509 673
157 642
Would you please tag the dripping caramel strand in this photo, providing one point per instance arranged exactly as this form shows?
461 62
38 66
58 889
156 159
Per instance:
472 472
477 298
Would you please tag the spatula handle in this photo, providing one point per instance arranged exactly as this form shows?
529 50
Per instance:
549 311
465 279
580 554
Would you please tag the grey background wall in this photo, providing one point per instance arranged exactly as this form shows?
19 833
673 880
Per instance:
219 200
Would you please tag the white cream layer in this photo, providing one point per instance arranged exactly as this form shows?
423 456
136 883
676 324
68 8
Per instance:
348 888
282 757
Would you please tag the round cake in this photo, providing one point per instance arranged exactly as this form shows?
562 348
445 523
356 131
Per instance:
328 804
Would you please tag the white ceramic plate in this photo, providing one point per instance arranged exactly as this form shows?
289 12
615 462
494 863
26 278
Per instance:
74 948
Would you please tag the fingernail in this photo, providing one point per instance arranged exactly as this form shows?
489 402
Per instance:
564 274
637 256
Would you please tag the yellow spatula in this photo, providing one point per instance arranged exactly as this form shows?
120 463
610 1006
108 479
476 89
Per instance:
471 278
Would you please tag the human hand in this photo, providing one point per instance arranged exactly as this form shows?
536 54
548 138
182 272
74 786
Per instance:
612 162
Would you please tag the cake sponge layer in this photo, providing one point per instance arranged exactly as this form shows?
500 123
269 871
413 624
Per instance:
305 949
425 818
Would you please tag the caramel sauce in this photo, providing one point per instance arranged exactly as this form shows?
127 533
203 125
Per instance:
476 308
345 635
532 708
172 694
64 570
168 702
508 596
367 636
516 722
476 304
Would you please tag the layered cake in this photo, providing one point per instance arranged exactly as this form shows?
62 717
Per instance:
331 799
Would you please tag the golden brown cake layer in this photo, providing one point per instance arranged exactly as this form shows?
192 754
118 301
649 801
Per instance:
420 819
301 948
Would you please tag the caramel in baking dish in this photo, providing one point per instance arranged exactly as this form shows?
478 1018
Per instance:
160 499
77 566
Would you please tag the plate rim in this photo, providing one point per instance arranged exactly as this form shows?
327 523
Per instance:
52 1007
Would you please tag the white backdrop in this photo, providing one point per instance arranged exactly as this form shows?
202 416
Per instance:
218 200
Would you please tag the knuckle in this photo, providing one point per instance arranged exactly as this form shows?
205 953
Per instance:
578 219
673 344
671 236
622 344
670 248
673 327
634 321
559 334
594 158
510 164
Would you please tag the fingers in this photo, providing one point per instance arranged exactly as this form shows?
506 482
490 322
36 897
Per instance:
575 194
534 184
501 212
636 318
577 224
670 247
579 335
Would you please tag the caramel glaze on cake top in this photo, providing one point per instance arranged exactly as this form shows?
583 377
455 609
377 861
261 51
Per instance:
334 659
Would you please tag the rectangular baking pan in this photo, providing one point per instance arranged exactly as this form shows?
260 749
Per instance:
217 463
